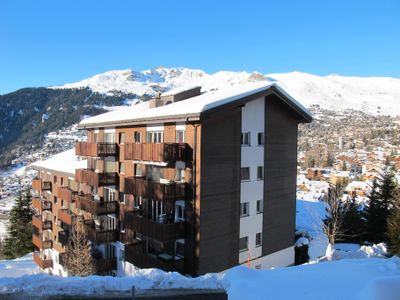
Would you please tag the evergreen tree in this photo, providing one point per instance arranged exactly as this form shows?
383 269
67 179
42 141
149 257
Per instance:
19 232
78 256
376 214
353 223
393 231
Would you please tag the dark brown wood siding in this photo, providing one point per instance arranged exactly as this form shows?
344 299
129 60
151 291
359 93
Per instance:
280 162
220 191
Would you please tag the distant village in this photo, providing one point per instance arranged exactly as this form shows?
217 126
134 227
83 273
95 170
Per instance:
350 148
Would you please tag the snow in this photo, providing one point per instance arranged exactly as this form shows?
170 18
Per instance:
374 95
63 162
17 267
185 108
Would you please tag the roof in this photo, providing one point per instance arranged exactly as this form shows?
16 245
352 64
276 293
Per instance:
64 162
193 107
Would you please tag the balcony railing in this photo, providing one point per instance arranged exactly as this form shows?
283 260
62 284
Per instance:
91 178
95 207
158 231
65 216
105 265
37 203
135 254
41 242
40 185
98 235
42 260
163 152
66 194
38 222
96 149
46 205
156 190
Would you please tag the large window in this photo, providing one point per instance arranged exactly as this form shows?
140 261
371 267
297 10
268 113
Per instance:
155 137
245 173
243 244
244 209
245 139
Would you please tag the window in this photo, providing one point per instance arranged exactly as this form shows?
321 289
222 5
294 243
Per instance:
122 137
180 248
260 139
155 137
55 179
137 202
137 137
96 137
110 137
259 206
122 255
245 174
122 167
62 181
179 211
260 173
243 244
258 239
55 200
122 198
245 139
180 136
62 202
244 209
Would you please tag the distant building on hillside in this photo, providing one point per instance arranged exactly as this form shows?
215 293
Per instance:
197 185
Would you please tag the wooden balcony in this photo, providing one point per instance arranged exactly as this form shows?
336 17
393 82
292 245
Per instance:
96 149
104 265
135 254
40 242
66 194
158 231
42 260
95 207
91 178
46 205
156 190
100 236
38 222
65 216
162 152
40 185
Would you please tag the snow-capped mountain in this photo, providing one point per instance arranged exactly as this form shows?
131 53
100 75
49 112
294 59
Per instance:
374 95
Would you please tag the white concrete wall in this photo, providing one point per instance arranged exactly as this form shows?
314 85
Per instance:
282 258
57 269
250 191
124 268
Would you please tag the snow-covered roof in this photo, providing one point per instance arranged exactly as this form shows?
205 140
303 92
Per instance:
65 162
190 108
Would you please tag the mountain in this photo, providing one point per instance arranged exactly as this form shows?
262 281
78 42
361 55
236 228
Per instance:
28 114
373 95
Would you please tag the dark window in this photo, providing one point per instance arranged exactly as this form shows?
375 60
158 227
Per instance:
260 138
245 173
259 206
122 137
258 239
243 244
121 255
55 200
55 179
245 138
137 137
180 249
260 173
62 181
244 209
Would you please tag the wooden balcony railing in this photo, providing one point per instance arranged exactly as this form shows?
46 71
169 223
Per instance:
158 231
65 216
91 178
95 207
66 194
42 260
156 190
96 149
100 236
135 254
105 265
40 242
40 185
38 222
163 152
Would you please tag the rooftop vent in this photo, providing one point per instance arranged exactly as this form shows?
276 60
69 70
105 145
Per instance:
175 95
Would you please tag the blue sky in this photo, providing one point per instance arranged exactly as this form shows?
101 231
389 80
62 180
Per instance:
46 42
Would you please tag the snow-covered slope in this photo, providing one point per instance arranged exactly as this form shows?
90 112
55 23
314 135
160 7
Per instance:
374 95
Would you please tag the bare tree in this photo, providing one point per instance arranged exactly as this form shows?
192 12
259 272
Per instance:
335 212
78 257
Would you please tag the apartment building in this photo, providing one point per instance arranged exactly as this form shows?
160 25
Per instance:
195 183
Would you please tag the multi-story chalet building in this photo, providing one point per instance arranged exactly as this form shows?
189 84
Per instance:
195 183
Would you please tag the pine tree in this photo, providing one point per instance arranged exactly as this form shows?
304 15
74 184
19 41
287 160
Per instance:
78 257
393 231
353 222
19 232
